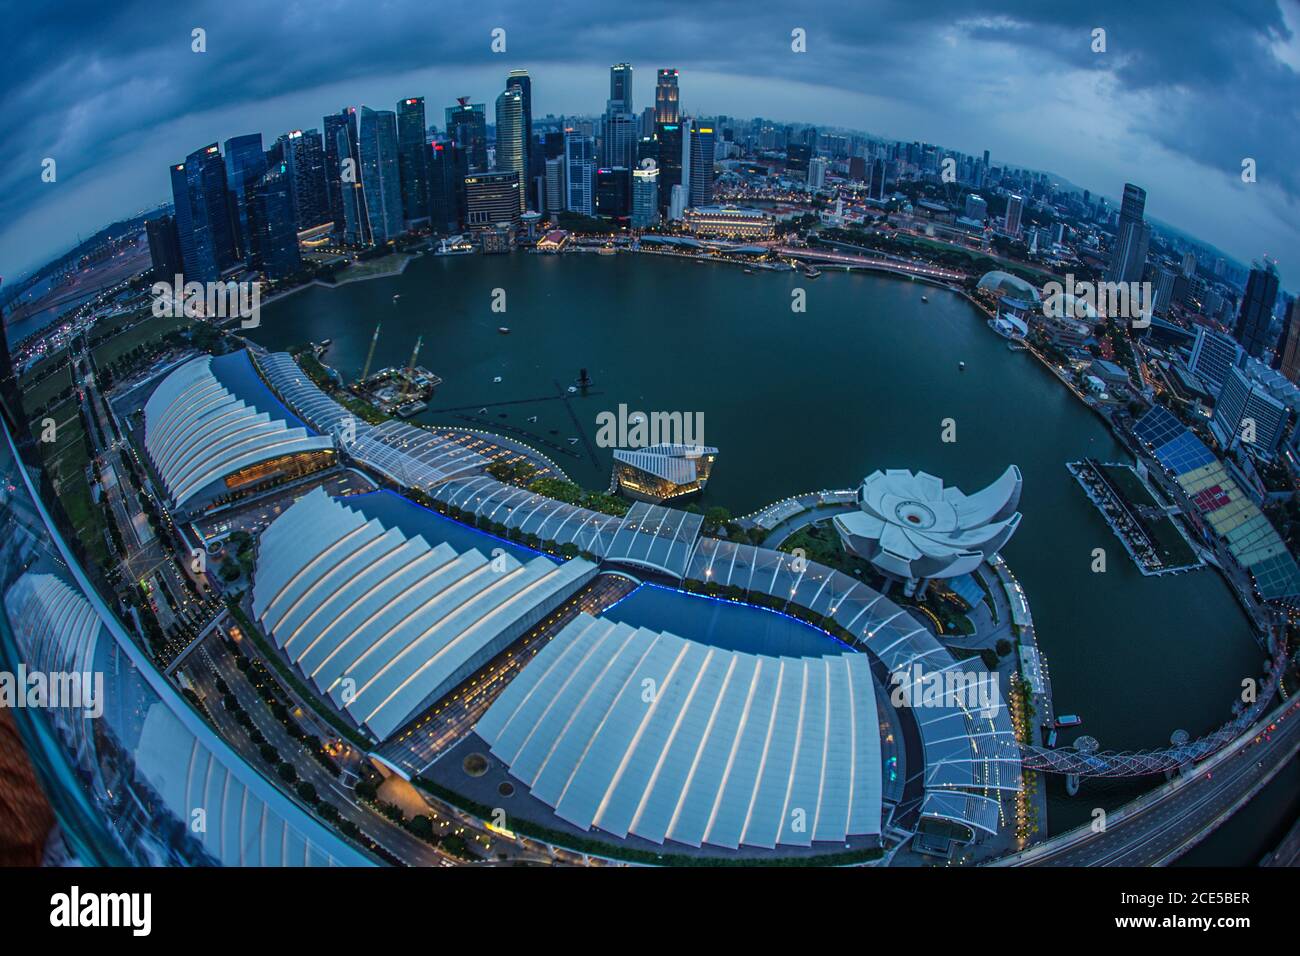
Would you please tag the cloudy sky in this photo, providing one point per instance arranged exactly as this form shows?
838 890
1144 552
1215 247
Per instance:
1183 93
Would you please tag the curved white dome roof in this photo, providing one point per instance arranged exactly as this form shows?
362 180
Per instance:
1004 283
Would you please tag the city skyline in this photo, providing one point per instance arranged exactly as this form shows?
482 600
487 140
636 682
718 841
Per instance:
109 159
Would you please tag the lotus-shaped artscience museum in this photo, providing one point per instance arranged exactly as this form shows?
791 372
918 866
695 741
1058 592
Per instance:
911 527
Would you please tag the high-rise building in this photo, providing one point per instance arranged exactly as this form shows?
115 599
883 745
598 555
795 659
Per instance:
553 194
303 156
1164 294
876 189
467 128
677 203
203 222
1189 264
1214 355
245 164
534 162
620 88
510 154
273 218
817 172
645 196
1011 222
1128 257
164 248
976 208
797 159
492 198
701 160
342 160
579 173
669 136
666 93
446 187
614 195
618 138
413 158
1287 358
1256 313
355 224
1246 413
380 179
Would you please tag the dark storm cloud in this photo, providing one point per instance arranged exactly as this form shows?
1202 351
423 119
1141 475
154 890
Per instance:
88 83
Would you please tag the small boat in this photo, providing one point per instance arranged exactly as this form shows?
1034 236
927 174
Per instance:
396 296
1069 720
503 330
748 271
573 389
961 366
496 379
482 411
573 441
533 418
924 299
812 272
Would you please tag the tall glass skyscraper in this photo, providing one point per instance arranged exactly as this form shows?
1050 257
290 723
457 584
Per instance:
666 94
620 88
1128 258
1256 314
700 192
273 219
467 128
645 197
203 220
446 187
380 179
413 158
579 173
304 161
337 149
511 155
245 164
521 81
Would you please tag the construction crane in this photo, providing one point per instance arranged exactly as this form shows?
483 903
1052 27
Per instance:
410 369
370 356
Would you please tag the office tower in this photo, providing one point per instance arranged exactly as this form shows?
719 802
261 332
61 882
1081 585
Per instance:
1011 222
618 138
614 195
700 179
669 136
380 179
492 198
976 208
797 159
1244 406
203 220
413 158
1128 257
337 149
1287 358
446 187
304 158
245 164
645 127
510 154
273 218
1213 356
620 88
355 228
817 172
1189 264
858 169
553 194
666 93
677 203
534 163
647 147
876 189
164 248
645 197
1164 293
467 128
579 173
1256 313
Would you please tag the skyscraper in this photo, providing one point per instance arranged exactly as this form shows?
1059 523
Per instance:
273 218
1011 222
579 172
669 136
510 154
553 195
521 81
467 128
666 93
164 248
245 164
1287 358
380 179
491 198
1245 413
413 158
203 221
618 139
1214 355
1128 257
876 189
620 88
1256 312
701 160
446 187
614 195
304 160
645 196
339 148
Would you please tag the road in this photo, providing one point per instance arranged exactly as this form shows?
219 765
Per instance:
1159 827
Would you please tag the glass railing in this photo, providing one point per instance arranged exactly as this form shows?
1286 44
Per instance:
134 774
